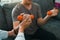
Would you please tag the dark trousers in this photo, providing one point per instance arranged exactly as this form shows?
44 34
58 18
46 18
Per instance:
41 34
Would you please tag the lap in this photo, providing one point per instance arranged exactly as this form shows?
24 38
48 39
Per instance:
41 34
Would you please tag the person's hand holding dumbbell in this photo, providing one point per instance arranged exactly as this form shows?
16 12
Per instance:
53 12
25 22
22 16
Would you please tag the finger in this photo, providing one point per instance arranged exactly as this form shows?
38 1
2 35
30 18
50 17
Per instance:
24 22
29 20
25 19
21 14
25 16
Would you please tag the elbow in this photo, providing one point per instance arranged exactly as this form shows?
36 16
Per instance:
41 22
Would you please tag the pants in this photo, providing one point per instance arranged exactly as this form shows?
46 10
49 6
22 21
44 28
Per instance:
41 34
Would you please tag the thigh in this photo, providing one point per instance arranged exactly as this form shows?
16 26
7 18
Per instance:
41 34
44 35
30 37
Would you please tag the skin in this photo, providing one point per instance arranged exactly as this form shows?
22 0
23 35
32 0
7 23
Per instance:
23 25
11 33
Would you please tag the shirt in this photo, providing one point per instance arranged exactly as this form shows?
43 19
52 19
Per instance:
35 10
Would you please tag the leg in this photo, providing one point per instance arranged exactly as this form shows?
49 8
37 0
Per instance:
44 35
30 37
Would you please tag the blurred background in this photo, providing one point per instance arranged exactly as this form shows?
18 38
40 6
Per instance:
8 1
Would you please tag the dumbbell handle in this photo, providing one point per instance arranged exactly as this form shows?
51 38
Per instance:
20 18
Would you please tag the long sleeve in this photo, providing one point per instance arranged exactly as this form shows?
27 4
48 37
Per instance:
20 36
0 39
3 34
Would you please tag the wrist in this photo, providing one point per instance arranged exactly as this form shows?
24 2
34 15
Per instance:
11 33
48 16
21 28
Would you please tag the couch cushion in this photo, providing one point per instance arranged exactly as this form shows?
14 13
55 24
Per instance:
8 12
3 23
53 26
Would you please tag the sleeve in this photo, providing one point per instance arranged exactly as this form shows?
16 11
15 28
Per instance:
20 36
15 13
0 39
3 34
39 12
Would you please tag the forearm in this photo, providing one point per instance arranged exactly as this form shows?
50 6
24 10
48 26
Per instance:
17 27
20 35
46 18
42 21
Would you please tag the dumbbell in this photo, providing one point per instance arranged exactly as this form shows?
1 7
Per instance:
49 13
20 17
52 11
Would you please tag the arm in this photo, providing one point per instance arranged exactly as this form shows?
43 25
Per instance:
22 26
15 13
20 35
5 34
41 20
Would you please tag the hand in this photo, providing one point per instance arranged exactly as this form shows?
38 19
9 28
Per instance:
25 23
24 15
54 12
11 33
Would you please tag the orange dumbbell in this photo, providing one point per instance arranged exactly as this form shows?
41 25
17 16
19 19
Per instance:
20 17
52 11
49 13
32 17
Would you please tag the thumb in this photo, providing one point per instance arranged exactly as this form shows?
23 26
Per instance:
21 14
